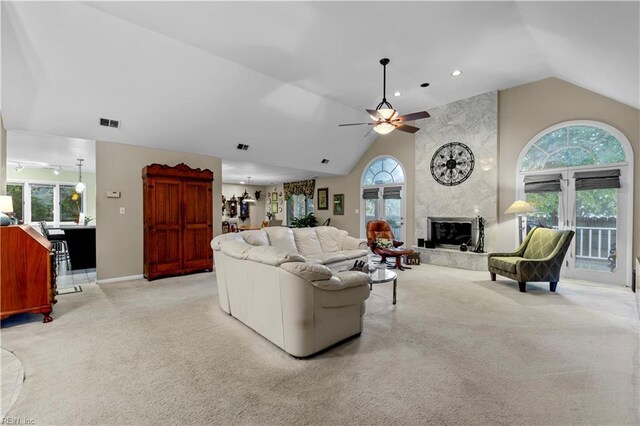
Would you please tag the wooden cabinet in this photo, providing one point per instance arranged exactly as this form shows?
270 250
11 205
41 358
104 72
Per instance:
178 220
27 272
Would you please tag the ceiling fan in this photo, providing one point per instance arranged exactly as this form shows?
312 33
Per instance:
386 118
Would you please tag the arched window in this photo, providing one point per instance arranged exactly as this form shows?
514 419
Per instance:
571 146
383 171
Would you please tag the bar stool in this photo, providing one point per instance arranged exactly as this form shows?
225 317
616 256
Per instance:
58 242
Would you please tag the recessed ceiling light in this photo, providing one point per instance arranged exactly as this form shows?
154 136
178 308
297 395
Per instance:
424 85
396 94
456 73
241 182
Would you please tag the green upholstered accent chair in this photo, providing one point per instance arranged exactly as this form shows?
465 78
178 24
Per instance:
539 258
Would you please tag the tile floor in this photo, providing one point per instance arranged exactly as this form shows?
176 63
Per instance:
69 280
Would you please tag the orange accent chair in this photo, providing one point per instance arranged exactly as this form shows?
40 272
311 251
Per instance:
381 229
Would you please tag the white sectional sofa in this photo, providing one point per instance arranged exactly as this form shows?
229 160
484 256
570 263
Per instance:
293 285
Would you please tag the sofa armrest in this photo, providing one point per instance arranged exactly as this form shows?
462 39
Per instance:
343 280
514 254
308 271
351 243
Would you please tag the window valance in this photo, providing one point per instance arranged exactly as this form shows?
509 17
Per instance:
391 192
303 187
597 179
370 194
542 183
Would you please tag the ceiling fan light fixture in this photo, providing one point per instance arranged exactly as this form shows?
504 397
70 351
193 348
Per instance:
384 128
387 113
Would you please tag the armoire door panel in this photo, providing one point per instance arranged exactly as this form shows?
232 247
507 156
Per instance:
196 252
167 202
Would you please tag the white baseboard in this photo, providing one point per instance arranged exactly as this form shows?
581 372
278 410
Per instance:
119 279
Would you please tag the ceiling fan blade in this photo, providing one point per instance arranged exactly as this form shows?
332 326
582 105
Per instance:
368 133
375 114
353 124
414 116
407 128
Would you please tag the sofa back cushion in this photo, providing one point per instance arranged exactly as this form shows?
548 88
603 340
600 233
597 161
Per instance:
542 243
307 241
217 241
281 237
330 238
255 238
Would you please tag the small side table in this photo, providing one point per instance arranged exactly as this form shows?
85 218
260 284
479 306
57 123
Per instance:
384 275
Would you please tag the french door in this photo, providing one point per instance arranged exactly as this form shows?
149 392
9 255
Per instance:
600 218
390 210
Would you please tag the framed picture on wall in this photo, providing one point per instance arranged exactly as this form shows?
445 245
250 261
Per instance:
338 204
274 197
323 198
274 207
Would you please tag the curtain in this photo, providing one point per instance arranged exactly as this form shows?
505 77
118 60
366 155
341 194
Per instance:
370 194
542 183
303 187
391 192
597 179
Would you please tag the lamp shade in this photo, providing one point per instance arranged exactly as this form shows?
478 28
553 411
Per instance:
520 207
6 204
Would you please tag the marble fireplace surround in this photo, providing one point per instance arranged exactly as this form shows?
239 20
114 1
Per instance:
473 122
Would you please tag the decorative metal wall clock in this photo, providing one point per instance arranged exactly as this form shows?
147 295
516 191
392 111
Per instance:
452 164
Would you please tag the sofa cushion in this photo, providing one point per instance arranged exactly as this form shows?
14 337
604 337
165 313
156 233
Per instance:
350 243
236 249
507 264
343 280
326 258
281 237
217 241
542 243
307 241
275 256
256 237
308 271
330 238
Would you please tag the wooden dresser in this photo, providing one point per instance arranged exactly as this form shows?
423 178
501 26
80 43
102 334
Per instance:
178 220
27 272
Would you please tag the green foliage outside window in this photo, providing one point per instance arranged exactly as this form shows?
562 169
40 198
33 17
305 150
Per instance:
42 203
16 190
69 208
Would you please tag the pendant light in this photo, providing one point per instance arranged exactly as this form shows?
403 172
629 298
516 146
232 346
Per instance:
80 186
246 198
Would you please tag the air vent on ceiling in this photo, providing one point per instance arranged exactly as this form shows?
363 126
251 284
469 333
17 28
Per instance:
324 161
243 147
109 123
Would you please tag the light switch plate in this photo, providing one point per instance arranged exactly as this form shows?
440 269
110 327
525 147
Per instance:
357 211
122 210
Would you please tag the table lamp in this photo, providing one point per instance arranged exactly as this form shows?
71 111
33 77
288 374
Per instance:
519 207
6 204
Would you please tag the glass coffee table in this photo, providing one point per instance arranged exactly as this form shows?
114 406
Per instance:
384 275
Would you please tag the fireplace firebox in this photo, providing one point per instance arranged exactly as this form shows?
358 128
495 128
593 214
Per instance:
451 232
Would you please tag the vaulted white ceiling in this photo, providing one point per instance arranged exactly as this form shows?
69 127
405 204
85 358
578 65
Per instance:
280 76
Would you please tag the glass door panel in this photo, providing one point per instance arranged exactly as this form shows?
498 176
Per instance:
548 208
370 210
393 215
596 225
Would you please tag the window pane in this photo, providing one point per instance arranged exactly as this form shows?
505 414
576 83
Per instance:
383 178
309 205
376 166
397 175
42 203
69 208
546 205
596 229
370 210
16 190
587 145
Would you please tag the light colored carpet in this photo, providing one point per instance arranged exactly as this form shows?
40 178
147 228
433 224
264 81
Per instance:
456 349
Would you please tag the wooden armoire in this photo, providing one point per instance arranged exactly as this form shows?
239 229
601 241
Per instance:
178 216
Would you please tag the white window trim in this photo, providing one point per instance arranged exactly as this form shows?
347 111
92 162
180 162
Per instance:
26 196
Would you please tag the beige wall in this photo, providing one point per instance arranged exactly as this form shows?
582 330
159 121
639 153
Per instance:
46 175
525 110
396 144
3 157
119 168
